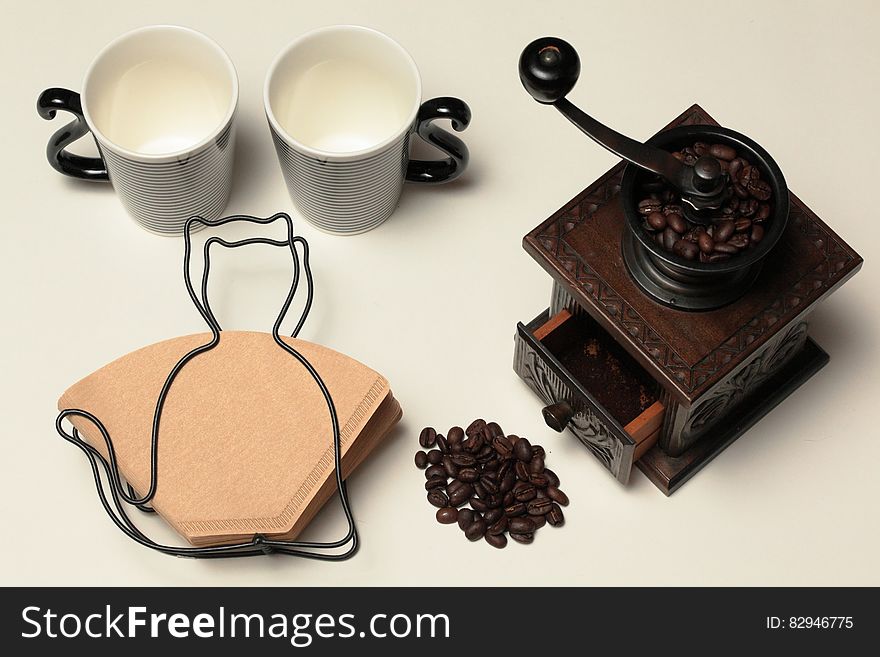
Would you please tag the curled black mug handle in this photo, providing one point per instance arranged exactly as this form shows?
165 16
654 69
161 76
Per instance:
450 168
78 166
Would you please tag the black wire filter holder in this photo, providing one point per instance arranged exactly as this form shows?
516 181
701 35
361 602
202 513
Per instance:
121 492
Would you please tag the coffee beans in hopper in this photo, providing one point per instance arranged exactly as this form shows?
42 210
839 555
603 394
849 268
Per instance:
738 226
490 484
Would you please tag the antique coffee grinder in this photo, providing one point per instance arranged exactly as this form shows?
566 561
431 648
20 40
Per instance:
683 281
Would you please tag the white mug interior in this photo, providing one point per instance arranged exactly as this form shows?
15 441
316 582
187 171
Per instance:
343 91
159 91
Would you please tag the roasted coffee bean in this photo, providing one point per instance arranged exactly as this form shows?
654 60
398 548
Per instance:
499 526
722 152
724 230
537 450
438 498
479 490
454 485
435 482
525 492
748 207
649 205
749 176
542 492
475 427
435 471
761 190
557 495
687 250
740 240
485 454
539 521
705 242
539 506
552 479
522 449
479 505
522 471
476 530
555 517
740 191
508 499
536 465
523 538
670 237
493 515
461 495
468 475
463 460
454 436
441 445
447 515
489 484
516 509
742 224
735 168
494 430
763 212
520 525
701 148
496 540
427 437
676 222
657 221
539 479
465 518
435 456
421 459
757 233
726 248
502 447
507 482
450 467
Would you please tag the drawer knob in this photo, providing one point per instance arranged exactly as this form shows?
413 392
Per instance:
558 415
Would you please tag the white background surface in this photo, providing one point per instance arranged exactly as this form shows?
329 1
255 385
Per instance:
431 298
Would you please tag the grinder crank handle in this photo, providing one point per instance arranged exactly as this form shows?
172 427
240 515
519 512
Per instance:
549 68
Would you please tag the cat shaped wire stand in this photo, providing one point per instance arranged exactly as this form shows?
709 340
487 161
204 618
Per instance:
106 469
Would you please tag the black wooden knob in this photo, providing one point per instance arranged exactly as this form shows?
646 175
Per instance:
549 68
558 415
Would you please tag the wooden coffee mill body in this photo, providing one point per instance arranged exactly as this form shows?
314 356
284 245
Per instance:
701 378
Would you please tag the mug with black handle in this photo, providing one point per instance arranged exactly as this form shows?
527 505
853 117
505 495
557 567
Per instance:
342 103
160 102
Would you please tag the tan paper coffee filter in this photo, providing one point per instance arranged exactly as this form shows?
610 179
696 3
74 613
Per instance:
245 439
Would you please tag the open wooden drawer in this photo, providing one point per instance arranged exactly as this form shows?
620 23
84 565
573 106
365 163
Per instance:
591 386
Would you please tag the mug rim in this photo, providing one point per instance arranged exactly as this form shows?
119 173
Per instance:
337 156
171 155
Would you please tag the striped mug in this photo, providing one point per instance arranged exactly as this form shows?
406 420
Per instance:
342 102
160 102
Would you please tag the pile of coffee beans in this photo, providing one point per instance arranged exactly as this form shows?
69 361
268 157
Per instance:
490 484
738 225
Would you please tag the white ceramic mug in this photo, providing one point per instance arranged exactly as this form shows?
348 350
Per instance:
342 102
160 103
